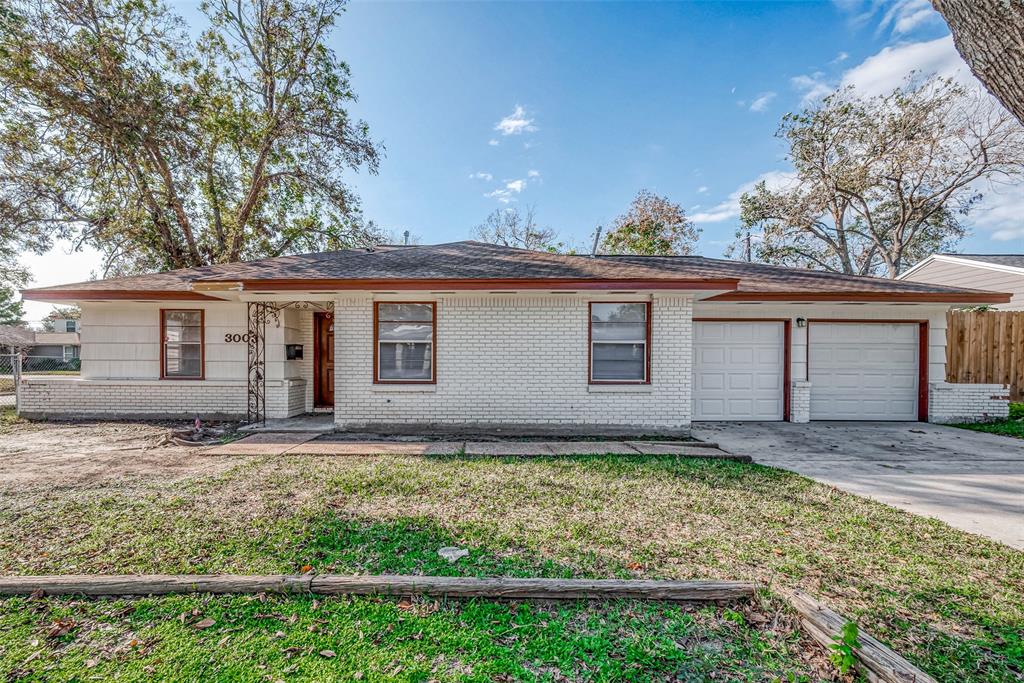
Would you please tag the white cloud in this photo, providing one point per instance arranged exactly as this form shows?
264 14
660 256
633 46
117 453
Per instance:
730 208
533 173
481 175
702 189
813 87
899 17
884 72
762 101
508 192
515 123
906 15
493 143
841 57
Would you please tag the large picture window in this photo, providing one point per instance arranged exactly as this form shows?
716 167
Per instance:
620 348
181 352
404 342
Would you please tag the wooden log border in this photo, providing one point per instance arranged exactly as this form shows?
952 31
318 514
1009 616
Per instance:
336 584
878 662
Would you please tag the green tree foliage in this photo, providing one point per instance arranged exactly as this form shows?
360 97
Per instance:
120 131
12 312
879 183
653 226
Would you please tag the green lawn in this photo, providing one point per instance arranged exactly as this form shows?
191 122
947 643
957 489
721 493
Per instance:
950 601
1014 426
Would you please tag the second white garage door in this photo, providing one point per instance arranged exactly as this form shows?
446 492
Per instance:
738 370
863 371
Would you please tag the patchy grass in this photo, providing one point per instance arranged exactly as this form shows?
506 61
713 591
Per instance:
371 639
1013 426
8 419
950 601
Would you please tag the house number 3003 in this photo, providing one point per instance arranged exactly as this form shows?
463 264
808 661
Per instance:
236 338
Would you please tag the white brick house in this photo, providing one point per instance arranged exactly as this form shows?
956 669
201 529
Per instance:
471 333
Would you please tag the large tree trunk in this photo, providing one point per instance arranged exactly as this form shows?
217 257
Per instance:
989 34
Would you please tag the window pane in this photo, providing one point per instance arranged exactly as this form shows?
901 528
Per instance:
182 360
182 326
405 332
409 361
619 362
618 313
636 332
405 312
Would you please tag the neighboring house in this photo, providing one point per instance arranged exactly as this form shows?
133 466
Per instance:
63 343
473 333
62 346
993 272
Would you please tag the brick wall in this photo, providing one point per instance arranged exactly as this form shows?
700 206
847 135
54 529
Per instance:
518 360
56 397
951 403
800 402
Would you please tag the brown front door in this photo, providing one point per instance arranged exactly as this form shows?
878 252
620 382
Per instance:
323 359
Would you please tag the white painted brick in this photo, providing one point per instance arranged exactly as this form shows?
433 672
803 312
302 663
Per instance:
951 403
516 360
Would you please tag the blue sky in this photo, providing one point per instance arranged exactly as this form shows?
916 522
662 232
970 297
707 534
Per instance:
574 107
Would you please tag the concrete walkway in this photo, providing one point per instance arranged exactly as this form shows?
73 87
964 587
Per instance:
313 443
970 480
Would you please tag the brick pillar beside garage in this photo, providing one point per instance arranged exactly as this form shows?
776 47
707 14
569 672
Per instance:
517 360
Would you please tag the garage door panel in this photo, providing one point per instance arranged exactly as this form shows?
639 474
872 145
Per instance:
863 371
741 381
738 370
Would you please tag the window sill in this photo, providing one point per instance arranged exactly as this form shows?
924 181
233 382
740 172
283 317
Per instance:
620 388
403 388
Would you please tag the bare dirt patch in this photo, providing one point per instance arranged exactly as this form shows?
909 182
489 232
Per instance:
72 453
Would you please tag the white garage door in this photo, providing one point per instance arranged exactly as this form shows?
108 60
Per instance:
738 370
863 371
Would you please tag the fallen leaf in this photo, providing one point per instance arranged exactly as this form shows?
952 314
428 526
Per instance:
204 623
307 568
326 653
90 663
634 566
405 604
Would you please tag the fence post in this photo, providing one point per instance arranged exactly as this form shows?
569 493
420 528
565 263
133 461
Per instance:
16 373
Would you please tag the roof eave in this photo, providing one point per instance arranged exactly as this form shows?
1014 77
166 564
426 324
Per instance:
112 295
877 297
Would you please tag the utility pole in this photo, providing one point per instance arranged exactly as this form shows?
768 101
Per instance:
597 239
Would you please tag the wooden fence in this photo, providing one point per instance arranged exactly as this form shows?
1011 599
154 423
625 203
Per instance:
986 347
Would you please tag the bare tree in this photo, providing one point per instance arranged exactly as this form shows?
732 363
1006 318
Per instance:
989 34
510 228
881 182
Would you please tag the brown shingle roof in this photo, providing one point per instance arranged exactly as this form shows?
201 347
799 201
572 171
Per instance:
469 262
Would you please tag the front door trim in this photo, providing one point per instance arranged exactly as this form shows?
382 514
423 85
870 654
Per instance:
319 394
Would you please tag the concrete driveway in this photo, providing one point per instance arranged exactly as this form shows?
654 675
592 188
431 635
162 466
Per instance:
970 480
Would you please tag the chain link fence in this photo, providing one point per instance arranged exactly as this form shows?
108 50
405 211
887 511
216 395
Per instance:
13 366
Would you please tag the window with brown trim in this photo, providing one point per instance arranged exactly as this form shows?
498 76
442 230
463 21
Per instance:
404 342
182 355
620 342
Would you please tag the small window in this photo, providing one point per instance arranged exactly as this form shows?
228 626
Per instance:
182 351
404 339
619 343
70 325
